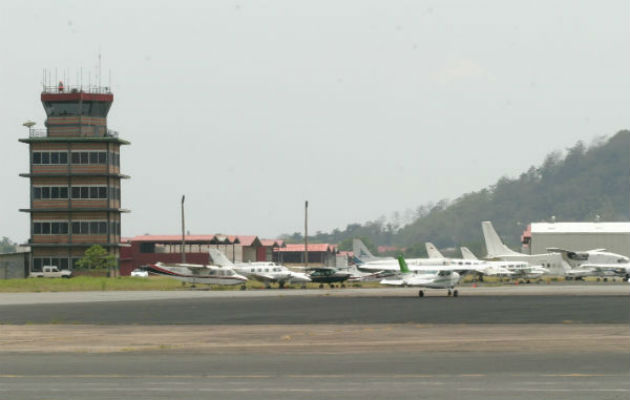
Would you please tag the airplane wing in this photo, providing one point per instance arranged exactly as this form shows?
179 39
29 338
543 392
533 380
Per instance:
392 282
262 277
321 269
419 281
606 267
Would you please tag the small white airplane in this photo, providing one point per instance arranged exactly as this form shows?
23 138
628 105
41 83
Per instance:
497 250
356 275
436 260
427 278
515 269
198 273
596 262
265 272
468 264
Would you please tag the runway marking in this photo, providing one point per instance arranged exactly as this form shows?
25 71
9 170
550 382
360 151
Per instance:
303 376
534 390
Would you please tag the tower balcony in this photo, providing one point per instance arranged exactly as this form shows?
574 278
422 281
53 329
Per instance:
43 133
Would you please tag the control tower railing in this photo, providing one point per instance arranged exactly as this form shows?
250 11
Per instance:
37 133
76 89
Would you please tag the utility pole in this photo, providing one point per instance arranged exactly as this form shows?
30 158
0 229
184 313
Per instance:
183 232
306 234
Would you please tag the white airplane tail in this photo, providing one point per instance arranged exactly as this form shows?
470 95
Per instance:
432 251
467 254
494 244
360 250
218 258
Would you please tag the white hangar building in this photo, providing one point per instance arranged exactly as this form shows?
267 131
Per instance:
612 236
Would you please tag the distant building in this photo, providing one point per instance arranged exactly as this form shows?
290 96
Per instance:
149 249
319 254
14 265
612 236
74 173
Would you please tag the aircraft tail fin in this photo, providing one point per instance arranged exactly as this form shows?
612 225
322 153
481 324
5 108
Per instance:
432 251
467 254
218 258
403 265
494 244
360 250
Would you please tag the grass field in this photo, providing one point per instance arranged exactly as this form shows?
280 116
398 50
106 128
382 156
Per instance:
91 283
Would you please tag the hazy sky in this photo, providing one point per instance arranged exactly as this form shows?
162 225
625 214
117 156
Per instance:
362 107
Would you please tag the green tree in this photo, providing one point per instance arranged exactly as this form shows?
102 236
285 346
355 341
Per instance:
7 246
96 257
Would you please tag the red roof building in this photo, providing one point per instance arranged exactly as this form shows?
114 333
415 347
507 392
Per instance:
149 249
318 254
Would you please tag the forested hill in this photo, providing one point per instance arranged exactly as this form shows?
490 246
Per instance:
579 186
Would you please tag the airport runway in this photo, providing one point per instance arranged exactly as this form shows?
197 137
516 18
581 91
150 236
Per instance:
559 289
395 375
277 308
534 342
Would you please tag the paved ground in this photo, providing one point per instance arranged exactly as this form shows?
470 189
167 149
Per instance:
556 289
314 339
525 342
397 375
329 310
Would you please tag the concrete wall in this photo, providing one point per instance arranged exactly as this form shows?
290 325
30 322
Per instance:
614 242
14 265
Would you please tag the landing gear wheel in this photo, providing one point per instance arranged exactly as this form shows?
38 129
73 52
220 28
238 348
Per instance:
599 279
280 285
321 285
449 292
605 279
528 281
421 293
243 287
455 293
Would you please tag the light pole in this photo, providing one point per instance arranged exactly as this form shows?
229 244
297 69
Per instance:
183 232
306 234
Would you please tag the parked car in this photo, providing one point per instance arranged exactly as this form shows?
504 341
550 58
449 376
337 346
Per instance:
140 273
51 271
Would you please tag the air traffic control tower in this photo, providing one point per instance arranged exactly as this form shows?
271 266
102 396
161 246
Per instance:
75 177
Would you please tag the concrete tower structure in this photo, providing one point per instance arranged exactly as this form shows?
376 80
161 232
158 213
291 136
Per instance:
75 177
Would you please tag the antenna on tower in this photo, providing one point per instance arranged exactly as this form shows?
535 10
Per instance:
99 66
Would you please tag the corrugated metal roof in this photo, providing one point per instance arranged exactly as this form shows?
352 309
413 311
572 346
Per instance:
247 240
580 227
271 242
178 238
297 247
